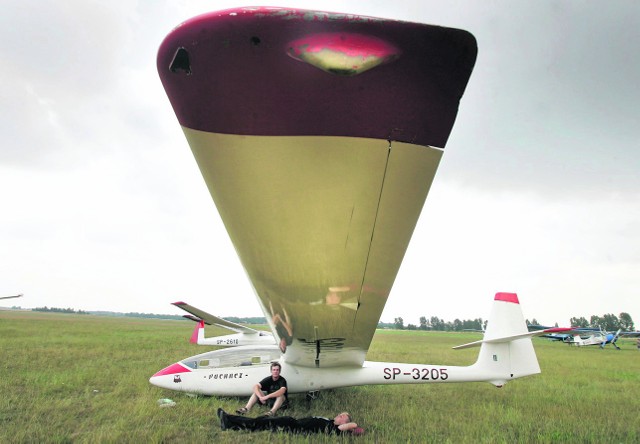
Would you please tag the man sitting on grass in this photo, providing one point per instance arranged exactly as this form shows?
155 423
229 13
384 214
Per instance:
341 424
271 391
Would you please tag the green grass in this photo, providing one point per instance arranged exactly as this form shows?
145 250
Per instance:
71 378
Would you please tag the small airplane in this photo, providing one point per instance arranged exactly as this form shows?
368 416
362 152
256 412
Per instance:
585 336
11 297
318 136
244 335
602 338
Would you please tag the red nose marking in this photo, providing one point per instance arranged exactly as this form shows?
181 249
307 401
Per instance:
172 369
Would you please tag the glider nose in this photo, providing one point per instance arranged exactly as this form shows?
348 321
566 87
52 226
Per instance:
170 377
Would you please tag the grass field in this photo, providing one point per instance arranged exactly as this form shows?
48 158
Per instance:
72 378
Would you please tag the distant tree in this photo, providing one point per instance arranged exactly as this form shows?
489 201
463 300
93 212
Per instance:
411 327
610 322
534 321
472 324
578 322
398 323
457 325
437 323
596 322
448 326
424 323
626 323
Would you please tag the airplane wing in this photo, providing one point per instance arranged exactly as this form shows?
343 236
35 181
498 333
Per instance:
11 297
213 320
318 136
629 334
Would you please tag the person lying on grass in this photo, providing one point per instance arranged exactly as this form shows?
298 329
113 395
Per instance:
341 424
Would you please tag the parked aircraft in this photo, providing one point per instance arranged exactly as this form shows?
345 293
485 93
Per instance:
584 336
244 335
602 338
318 136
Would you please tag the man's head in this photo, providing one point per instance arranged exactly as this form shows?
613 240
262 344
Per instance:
342 418
275 370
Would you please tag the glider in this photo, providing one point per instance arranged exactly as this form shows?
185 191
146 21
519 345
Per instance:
244 335
318 136
11 297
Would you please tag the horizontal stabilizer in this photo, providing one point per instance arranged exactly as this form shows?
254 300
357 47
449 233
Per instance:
513 337
194 318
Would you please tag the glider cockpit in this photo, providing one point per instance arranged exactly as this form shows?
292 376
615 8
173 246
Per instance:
237 357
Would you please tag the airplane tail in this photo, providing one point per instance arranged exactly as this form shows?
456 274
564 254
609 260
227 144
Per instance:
198 333
506 351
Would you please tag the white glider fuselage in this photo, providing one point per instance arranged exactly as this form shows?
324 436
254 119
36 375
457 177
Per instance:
239 381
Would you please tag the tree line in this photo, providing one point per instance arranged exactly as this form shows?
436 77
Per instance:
609 322
435 323
59 310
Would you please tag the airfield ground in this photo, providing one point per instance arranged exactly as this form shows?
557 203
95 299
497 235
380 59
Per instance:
83 378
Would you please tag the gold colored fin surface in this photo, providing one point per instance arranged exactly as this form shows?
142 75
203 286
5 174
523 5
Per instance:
321 225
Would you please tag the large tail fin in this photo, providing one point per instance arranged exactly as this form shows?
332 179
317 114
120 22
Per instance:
506 351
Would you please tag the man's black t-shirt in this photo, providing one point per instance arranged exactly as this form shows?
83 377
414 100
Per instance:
270 386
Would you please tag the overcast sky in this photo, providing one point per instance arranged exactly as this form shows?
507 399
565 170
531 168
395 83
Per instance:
103 208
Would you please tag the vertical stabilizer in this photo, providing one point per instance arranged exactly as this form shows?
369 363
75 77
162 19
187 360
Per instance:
198 333
502 356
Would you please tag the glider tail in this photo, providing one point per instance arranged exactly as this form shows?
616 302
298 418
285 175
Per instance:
198 333
506 351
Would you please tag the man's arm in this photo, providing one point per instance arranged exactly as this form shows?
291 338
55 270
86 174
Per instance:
347 427
280 392
257 390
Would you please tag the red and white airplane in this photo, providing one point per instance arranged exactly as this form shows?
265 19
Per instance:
318 136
